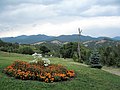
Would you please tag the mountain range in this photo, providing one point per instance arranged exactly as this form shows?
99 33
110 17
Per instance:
23 39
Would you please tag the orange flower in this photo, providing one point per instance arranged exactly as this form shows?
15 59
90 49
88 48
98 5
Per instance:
24 70
42 77
62 75
46 80
70 73
19 70
52 79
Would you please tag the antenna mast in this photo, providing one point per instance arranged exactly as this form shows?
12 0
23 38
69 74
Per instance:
80 31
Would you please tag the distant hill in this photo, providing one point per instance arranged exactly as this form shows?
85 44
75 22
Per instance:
73 38
100 43
23 39
27 39
117 38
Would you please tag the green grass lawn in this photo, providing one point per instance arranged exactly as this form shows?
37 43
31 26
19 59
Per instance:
86 78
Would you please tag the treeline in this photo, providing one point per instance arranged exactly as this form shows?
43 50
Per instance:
109 56
8 47
70 50
23 48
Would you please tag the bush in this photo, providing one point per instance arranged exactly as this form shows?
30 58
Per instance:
26 50
37 71
44 50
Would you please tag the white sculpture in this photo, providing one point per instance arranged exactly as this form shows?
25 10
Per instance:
36 56
46 61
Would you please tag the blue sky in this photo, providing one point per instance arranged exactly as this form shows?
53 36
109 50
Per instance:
57 17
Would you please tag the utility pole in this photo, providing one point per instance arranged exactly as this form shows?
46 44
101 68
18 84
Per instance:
80 31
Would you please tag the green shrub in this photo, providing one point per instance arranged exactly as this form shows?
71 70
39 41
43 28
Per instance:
26 50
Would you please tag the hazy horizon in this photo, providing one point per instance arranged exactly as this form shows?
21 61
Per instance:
96 18
59 35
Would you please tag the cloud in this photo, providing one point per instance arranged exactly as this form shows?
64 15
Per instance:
74 7
4 4
102 11
27 13
94 26
17 2
56 17
106 2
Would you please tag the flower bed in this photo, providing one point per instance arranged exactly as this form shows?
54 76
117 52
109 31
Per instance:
37 71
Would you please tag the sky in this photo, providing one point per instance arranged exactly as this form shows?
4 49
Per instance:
59 17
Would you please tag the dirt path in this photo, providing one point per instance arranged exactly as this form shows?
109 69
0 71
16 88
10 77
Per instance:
79 64
115 71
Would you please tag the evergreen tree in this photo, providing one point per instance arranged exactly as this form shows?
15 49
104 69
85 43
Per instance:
95 60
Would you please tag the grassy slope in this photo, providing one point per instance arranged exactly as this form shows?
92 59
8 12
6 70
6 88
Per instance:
86 79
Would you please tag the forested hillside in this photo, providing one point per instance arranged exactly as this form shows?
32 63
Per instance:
107 48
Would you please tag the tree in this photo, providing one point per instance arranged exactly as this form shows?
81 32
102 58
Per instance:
110 56
26 50
44 50
67 50
95 60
